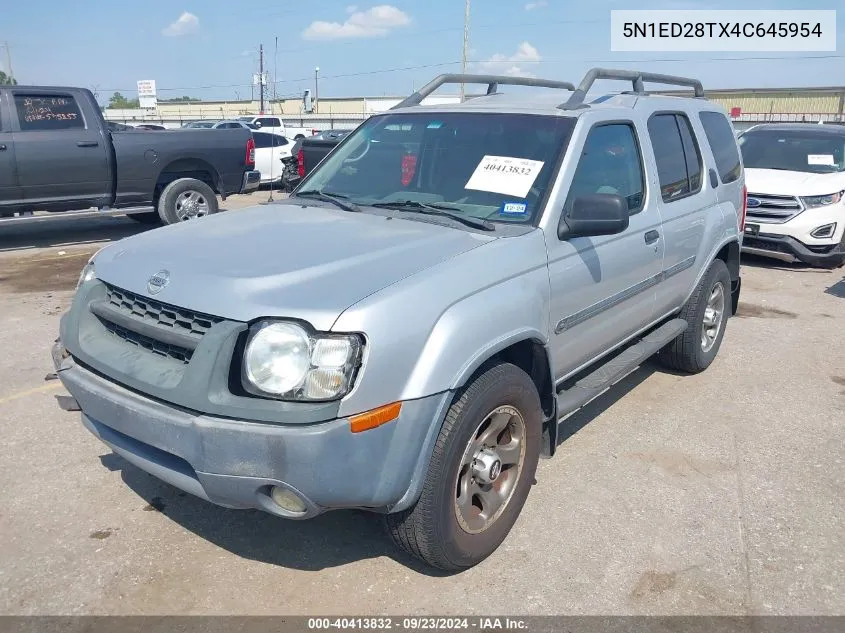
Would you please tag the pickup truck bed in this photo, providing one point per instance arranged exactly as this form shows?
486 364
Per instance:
58 154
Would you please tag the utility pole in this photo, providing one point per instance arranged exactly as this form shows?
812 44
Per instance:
466 46
261 78
275 78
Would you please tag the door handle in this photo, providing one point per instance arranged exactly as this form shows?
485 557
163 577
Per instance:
651 237
87 144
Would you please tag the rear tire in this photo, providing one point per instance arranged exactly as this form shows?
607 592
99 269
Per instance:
706 314
447 527
186 199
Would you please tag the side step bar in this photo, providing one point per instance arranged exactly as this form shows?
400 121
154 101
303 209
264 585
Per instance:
601 379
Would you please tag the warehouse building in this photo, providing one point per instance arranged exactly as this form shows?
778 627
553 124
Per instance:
747 106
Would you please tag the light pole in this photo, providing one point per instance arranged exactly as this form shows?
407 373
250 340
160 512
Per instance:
316 88
466 46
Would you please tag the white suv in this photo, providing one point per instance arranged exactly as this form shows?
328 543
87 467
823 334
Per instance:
795 175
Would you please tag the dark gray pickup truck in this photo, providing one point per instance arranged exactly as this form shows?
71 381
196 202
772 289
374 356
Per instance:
58 154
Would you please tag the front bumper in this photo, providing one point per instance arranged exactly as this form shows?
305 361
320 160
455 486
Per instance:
787 248
235 463
252 179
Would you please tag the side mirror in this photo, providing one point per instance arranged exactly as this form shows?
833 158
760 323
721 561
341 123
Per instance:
594 214
257 125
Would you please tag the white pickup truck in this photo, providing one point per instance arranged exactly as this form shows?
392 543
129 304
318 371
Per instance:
274 125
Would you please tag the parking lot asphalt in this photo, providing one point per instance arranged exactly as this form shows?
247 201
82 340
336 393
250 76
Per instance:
721 493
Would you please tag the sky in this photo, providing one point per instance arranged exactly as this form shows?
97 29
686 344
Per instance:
209 48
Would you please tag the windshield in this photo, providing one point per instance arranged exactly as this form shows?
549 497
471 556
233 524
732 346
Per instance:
492 166
793 150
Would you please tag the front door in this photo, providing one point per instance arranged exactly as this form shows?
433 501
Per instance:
61 151
603 288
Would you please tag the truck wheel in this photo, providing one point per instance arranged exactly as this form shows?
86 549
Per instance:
186 199
480 473
148 217
706 313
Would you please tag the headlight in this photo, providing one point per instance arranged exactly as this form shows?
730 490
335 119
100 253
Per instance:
285 361
822 201
86 275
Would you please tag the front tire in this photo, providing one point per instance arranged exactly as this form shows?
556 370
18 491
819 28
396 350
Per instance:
186 199
480 473
706 313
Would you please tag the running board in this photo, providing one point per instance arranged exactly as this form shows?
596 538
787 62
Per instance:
604 377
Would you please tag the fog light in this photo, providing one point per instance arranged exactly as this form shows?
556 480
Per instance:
824 231
287 500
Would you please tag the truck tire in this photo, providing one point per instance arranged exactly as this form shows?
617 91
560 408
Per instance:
480 473
148 217
186 199
706 313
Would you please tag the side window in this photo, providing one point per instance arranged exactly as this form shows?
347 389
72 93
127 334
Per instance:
48 112
610 163
269 122
262 140
677 155
281 141
691 152
721 138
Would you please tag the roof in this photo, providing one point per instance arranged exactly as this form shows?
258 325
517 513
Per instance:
548 102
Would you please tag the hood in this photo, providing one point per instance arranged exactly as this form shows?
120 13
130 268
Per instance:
792 183
298 260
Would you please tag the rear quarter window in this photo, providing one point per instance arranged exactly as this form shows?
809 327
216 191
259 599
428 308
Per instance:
722 141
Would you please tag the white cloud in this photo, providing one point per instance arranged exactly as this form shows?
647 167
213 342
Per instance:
351 8
500 64
373 22
538 4
186 24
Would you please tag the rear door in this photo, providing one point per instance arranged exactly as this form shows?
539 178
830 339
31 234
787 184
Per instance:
10 193
60 148
688 205
264 155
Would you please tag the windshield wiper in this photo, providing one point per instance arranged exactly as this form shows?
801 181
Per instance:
335 198
436 209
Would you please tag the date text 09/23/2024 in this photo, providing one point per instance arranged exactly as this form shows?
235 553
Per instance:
417 623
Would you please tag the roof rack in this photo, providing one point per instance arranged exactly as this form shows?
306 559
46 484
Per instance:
636 77
492 82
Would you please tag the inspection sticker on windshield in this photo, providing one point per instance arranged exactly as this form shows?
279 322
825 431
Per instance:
505 175
514 208
820 159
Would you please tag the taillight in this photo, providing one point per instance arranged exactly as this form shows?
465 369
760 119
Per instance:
250 153
314 132
300 163
744 208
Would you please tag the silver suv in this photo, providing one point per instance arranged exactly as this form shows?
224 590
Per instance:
407 331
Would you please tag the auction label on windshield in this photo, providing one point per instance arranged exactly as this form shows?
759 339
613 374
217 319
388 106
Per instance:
505 175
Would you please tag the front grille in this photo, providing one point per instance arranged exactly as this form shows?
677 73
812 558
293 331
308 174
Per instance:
158 348
773 209
162 315
774 245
